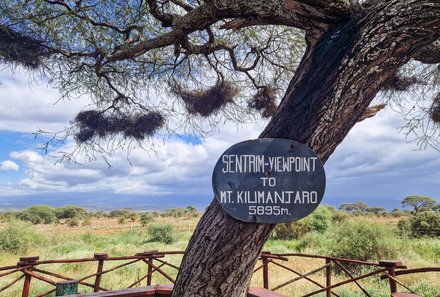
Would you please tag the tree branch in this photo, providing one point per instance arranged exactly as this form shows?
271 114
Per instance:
371 111
308 15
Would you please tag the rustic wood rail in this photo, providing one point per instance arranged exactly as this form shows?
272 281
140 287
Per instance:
31 269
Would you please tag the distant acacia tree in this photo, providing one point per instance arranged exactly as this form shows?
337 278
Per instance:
311 67
376 210
358 206
419 203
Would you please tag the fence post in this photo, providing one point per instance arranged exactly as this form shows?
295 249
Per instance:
150 255
328 277
66 288
150 271
392 265
265 270
26 261
100 257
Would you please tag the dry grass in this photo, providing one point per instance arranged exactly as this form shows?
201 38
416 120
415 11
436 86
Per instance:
107 235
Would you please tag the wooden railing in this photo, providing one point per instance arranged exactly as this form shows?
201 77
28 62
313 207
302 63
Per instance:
31 269
384 268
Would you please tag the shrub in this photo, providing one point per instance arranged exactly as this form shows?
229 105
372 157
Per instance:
362 241
18 237
38 214
319 220
122 220
69 212
146 218
404 227
161 233
340 216
425 223
119 213
74 222
86 222
289 231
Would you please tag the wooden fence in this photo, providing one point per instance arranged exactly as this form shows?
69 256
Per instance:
31 269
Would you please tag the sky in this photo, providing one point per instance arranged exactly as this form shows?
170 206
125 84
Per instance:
375 163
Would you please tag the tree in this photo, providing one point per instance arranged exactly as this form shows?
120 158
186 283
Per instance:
69 212
352 50
38 214
376 210
418 203
357 207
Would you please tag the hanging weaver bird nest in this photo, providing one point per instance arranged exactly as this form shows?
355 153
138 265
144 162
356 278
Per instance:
21 49
93 123
264 101
206 102
400 83
434 111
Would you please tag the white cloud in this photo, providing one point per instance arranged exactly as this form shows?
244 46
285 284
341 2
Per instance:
28 105
8 165
374 160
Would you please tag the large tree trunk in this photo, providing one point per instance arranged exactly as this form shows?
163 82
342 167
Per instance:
340 74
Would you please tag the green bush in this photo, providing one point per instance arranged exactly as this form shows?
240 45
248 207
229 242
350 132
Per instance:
319 220
146 218
362 241
289 231
340 217
18 237
86 222
38 214
69 212
73 222
161 233
425 223
404 227
119 213
122 220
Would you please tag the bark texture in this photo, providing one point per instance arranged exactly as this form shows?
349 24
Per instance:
340 74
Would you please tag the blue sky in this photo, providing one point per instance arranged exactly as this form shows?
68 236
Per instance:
375 163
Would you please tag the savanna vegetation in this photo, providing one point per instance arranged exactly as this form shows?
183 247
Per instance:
312 68
347 232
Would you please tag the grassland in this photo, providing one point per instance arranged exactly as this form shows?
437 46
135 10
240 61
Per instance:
121 238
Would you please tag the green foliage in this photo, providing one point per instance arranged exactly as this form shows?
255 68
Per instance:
119 213
123 215
161 233
289 231
38 214
358 207
86 222
69 212
73 222
122 220
18 237
418 203
425 223
362 241
318 221
404 227
376 210
187 212
8 216
146 218
340 216
132 216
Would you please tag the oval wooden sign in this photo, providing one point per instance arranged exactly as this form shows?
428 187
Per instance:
269 180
